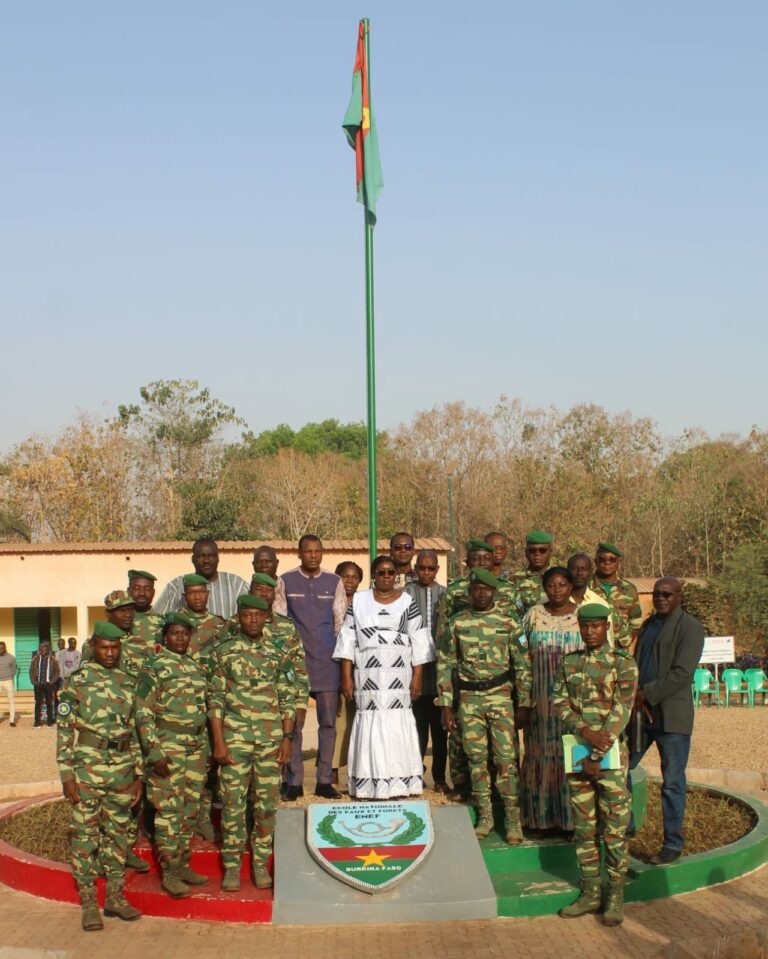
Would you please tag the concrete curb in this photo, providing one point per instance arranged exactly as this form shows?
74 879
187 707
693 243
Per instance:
28 790
737 779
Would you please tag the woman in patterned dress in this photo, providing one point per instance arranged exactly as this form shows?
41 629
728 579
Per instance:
552 629
383 639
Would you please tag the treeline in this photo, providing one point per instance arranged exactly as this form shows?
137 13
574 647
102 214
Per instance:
179 463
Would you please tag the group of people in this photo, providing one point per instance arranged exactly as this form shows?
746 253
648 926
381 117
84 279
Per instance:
208 689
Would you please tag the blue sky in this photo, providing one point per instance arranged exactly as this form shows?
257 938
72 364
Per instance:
574 208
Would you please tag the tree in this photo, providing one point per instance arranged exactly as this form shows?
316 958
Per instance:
744 582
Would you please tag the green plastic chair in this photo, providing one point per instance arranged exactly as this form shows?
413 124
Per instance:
704 685
733 680
756 683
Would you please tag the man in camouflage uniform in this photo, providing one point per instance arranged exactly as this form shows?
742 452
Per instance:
487 653
251 708
500 546
205 625
593 698
528 583
100 766
619 593
141 589
170 715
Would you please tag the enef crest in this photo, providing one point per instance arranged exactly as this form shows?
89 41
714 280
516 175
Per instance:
368 845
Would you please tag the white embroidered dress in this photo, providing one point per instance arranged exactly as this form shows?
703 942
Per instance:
384 641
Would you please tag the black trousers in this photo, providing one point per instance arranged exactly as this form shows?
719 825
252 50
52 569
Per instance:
427 717
45 693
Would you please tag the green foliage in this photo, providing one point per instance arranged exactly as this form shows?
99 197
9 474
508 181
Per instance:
706 602
744 582
204 513
330 436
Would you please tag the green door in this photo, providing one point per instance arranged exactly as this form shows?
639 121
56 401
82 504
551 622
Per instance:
30 626
27 638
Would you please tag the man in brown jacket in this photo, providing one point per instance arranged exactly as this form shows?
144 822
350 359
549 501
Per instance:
44 673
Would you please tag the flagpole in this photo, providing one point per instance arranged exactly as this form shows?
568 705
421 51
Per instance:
370 352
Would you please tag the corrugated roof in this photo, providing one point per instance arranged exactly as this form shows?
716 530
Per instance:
644 584
229 546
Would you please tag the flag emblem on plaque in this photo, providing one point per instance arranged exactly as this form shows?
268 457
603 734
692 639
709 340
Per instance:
370 846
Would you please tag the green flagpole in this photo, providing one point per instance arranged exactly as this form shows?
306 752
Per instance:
370 352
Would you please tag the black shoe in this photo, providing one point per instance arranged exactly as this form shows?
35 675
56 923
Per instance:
326 791
665 857
631 832
294 792
283 790
13 724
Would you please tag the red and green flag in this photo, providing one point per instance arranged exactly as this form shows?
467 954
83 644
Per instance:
360 127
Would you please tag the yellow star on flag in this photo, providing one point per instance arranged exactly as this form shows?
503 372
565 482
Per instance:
372 859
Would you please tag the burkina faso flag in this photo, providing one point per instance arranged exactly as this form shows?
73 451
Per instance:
360 128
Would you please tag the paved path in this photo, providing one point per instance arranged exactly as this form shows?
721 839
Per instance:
33 929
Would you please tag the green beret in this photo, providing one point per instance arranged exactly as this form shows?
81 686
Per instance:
609 548
192 579
177 619
538 536
483 576
104 630
140 574
118 598
593 611
252 602
475 544
264 579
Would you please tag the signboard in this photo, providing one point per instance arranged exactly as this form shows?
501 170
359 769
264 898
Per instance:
370 846
718 649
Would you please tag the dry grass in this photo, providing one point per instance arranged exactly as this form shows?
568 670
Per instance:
41 830
710 821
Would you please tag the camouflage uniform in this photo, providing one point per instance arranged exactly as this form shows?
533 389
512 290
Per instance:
456 599
149 627
627 611
134 650
528 588
252 689
97 746
597 689
205 630
483 647
171 718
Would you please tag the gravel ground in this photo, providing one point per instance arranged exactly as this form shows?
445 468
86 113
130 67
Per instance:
735 738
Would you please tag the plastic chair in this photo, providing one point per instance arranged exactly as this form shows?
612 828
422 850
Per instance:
756 683
733 680
704 685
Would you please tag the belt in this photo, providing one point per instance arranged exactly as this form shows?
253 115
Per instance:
178 726
121 744
482 684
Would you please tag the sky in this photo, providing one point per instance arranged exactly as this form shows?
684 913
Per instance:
574 208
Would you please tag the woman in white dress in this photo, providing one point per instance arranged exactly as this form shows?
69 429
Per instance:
383 638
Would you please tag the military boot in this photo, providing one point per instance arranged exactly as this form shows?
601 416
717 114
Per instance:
588 901
173 883
261 877
116 904
231 880
514 834
91 919
190 877
204 827
484 825
132 861
613 913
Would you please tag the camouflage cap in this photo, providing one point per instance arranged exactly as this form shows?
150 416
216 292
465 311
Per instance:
475 544
264 579
483 576
104 630
177 619
118 598
252 602
140 574
590 612
538 536
609 548
194 579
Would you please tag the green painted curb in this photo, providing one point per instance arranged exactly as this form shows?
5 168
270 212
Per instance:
539 878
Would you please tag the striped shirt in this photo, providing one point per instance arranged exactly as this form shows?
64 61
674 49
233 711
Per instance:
222 595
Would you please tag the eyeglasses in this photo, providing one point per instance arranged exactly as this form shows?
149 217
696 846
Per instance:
426 569
663 594
407 546
384 572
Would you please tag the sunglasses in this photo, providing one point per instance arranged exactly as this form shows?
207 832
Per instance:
408 546
384 572
663 594
537 549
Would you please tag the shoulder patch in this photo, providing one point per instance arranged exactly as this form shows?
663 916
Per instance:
523 640
64 709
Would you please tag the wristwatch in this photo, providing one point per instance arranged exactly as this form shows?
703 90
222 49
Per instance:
290 736
595 756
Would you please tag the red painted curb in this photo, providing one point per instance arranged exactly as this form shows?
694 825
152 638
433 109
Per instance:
53 880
